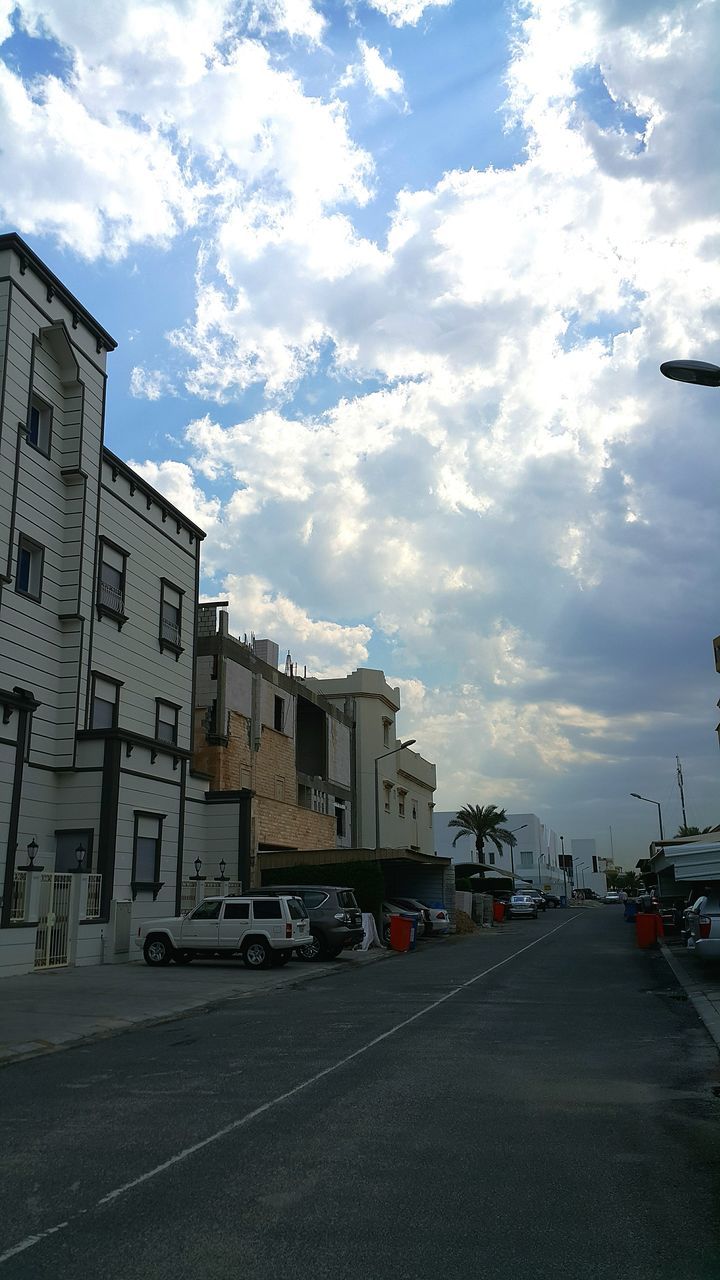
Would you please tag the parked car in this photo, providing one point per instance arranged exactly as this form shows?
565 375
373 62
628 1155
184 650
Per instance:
437 920
551 900
702 926
522 904
264 930
389 909
612 896
537 897
335 918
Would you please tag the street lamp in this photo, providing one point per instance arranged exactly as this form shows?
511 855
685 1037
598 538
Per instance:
512 846
562 846
697 371
635 796
410 743
580 868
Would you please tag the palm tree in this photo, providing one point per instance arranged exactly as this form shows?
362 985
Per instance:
693 831
483 823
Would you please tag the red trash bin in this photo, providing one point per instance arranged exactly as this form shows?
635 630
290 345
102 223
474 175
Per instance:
498 911
400 933
646 928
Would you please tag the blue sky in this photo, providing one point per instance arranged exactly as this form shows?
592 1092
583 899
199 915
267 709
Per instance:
391 283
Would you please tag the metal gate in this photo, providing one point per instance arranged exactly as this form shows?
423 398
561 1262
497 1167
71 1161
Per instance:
51 939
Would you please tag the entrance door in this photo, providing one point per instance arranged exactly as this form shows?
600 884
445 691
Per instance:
51 938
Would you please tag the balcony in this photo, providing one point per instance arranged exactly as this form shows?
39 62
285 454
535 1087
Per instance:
111 603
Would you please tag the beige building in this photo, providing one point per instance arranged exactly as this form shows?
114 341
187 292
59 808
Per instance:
267 736
394 786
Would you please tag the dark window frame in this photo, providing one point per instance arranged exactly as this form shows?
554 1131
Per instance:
88 832
94 677
155 884
174 647
173 706
105 610
44 405
26 543
279 714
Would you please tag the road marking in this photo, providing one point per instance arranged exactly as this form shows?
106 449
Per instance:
234 1125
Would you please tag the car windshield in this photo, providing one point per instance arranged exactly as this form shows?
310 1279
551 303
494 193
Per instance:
346 898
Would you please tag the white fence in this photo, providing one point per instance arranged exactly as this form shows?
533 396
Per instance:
192 891
17 906
92 902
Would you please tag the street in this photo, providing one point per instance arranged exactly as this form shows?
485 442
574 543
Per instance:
538 1102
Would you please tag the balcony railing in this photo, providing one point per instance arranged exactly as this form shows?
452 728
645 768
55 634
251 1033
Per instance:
110 598
170 632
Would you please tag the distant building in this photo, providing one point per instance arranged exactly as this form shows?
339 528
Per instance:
588 869
272 739
535 858
394 787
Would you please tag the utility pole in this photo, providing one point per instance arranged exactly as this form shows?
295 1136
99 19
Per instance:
682 793
612 848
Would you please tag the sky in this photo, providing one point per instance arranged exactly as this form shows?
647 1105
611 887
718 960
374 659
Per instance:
391 282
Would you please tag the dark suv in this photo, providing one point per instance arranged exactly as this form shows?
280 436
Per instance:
335 918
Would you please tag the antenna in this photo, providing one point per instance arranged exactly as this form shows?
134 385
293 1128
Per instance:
682 793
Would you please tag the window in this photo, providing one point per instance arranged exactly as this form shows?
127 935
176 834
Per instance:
209 910
401 803
39 425
67 844
170 617
526 858
111 581
279 720
388 786
386 732
296 909
237 911
28 580
104 702
346 899
490 857
147 843
166 721
414 810
313 898
319 801
340 818
267 909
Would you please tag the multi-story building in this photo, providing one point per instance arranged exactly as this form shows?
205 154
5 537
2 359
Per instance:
535 858
394 786
99 809
268 735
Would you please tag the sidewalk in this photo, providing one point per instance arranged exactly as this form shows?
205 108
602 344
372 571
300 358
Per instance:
701 982
55 1008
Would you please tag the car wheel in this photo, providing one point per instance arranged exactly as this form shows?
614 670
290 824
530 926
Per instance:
157 950
312 949
183 957
256 954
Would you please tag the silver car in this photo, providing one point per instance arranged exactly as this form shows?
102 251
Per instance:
521 904
702 926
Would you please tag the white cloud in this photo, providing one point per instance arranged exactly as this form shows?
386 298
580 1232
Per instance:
150 384
176 482
294 17
327 648
380 78
406 12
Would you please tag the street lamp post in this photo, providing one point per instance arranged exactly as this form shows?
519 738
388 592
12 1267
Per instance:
697 371
512 846
562 846
540 858
580 869
635 796
410 743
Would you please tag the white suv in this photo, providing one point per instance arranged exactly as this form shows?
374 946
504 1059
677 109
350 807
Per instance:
263 931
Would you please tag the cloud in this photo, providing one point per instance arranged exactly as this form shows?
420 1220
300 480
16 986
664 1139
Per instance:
150 384
406 12
327 648
380 78
176 482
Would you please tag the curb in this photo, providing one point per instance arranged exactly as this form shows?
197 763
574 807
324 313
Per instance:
703 1007
42 1049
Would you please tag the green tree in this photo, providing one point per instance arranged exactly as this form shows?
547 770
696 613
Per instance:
693 831
485 824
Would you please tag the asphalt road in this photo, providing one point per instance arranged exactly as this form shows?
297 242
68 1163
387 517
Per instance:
538 1104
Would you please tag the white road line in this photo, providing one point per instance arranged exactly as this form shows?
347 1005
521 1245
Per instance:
281 1097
